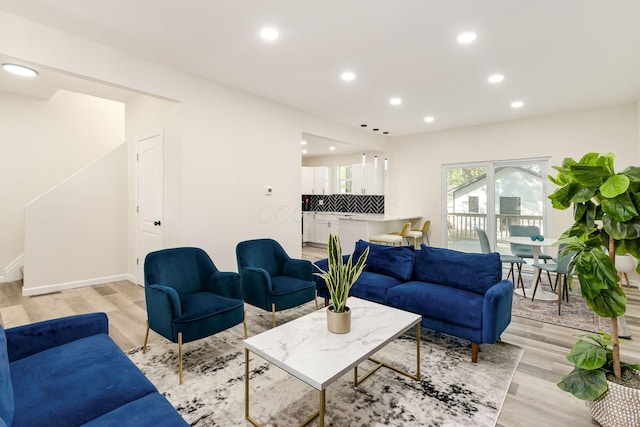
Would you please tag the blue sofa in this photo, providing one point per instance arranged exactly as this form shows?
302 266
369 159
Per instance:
457 293
68 372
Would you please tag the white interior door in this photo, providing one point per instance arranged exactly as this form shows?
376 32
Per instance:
149 198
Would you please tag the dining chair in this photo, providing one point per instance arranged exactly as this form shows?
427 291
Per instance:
525 251
187 298
513 260
561 270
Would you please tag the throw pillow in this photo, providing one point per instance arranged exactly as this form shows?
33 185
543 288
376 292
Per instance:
393 261
469 271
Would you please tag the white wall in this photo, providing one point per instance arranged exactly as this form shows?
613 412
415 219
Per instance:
417 159
75 234
42 143
230 144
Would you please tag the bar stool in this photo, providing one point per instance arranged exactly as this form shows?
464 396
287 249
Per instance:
395 238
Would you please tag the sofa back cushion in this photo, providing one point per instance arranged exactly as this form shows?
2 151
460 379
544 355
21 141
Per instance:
394 261
6 388
469 271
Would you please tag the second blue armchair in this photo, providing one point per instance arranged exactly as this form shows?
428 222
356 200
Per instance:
271 279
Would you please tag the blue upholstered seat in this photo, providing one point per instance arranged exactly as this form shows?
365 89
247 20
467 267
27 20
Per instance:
272 280
188 298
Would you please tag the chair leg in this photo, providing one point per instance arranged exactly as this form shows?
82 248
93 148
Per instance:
626 277
146 338
427 236
520 281
244 324
475 348
180 355
273 315
510 274
536 287
326 302
315 299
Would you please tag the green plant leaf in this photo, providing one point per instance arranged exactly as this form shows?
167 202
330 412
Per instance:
606 161
622 230
611 302
585 384
561 198
587 356
619 208
587 159
614 186
633 173
583 194
588 175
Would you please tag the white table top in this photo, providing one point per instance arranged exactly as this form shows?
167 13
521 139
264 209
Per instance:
527 241
306 349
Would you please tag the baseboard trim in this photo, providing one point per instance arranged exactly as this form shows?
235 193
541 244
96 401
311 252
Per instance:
13 271
46 289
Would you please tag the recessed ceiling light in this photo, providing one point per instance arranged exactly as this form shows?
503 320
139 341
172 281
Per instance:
269 33
347 76
517 104
465 38
332 148
20 70
429 119
304 151
395 101
303 142
495 78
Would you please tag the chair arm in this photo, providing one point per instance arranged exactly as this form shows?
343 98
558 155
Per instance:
23 341
298 268
496 310
228 284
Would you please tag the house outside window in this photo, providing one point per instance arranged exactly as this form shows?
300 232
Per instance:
345 180
510 206
474 204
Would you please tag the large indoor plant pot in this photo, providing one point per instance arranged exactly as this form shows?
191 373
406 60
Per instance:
618 407
339 277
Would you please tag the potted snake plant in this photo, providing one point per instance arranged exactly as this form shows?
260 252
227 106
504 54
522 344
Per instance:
339 277
606 208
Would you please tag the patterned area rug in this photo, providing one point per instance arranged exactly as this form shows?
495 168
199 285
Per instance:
453 391
574 314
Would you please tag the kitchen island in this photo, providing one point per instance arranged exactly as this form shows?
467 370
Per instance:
352 227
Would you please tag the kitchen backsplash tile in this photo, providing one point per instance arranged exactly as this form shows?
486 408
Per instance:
355 203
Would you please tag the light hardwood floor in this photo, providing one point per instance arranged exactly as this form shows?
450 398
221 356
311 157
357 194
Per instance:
533 398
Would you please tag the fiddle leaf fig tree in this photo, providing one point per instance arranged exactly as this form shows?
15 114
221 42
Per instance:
606 206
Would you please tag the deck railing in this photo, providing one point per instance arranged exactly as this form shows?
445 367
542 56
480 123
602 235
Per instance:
462 226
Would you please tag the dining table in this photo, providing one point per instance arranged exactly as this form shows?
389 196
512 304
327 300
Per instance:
536 248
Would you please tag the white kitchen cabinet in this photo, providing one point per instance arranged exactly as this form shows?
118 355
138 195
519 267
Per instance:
307 180
308 227
325 225
315 180
367 179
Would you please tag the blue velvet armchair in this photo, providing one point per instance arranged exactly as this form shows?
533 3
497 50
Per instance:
271 279
188 298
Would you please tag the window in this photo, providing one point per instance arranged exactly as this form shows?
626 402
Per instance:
509 206
474 204
492 196
345 179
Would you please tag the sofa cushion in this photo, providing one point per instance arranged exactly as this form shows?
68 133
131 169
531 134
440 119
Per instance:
150 410
373 286
6 388
74 383
469 271
438 301
394 261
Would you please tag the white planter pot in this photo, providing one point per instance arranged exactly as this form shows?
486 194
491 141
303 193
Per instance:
617 407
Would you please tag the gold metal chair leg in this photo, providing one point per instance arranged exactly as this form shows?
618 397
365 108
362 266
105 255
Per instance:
273 315
244 323
146 338
180 355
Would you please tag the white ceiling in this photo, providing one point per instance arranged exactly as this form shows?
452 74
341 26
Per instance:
556 55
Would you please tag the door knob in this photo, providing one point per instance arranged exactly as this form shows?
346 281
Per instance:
157 223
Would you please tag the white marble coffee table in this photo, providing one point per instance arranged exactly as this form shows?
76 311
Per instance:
307 350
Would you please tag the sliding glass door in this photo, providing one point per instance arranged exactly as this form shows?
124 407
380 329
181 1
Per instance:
492 196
